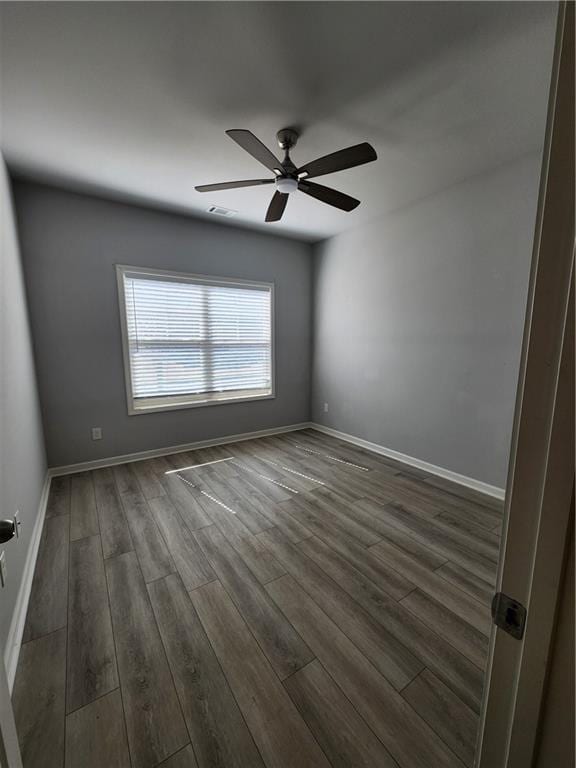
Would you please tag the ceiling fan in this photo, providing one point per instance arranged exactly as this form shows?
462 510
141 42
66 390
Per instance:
289 178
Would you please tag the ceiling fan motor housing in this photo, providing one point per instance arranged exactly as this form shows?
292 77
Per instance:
287 138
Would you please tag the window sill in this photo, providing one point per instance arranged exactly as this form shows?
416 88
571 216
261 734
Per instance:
178 405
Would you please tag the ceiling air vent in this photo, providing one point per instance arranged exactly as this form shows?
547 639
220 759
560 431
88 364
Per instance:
219 211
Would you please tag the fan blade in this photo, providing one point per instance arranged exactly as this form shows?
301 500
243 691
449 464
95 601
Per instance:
233 185
339 161
254 147
276 207
330 196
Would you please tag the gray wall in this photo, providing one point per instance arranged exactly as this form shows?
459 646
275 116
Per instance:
70 244
418 323
22 458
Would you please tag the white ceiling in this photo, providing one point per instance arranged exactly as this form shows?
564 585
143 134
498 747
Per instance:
132 99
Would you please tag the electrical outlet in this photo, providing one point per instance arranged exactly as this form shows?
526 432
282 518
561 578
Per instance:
325 407
96 433
2 568
17 523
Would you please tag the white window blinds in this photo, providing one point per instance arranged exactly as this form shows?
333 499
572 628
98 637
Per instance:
191 340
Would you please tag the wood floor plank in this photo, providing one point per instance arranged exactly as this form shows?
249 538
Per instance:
255 555
153 555
322 457
347 485
481 513
83 517
423 496
390 580
192 513
291 454
290 469
466 581
355 511
455 630
276 490
91 658
276 516
449 717
452 542
96 735
335 450
253 459
125 478
332 474
187 555
282 645
280 733
48 604
178 460
38 700
457 601
331 518
405 735
149 483
424 554
383 487
234 482
459 491
216 726
462 522
219 487
389 493
391 658
449 664
380 484
184 758
348 451
220 513
456 528
160 465
114 531
357 524
355 453
59 496
338 728
154 721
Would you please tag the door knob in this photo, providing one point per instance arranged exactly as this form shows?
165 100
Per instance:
7 530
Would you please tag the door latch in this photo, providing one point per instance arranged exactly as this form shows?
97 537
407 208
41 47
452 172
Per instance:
7 530
509 615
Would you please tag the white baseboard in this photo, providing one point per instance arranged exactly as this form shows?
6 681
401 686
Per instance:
152 454
14 641
447 474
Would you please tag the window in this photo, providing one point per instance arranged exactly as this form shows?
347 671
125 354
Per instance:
191 340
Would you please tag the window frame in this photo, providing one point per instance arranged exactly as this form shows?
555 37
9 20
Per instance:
123 270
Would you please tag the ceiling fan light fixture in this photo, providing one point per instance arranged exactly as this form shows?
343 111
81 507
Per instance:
288 178
286 185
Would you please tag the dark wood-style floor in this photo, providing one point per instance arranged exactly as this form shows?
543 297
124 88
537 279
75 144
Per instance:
288 602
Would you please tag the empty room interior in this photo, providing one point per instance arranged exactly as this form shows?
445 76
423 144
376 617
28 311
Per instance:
270 440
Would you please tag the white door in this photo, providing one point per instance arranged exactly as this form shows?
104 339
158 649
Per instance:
541 473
